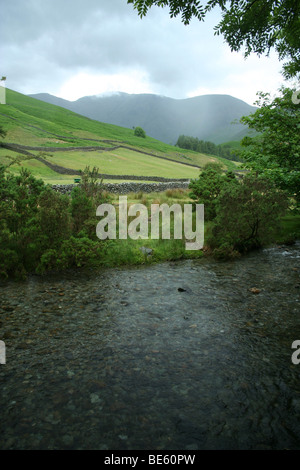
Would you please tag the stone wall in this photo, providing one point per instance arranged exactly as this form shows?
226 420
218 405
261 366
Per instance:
130 187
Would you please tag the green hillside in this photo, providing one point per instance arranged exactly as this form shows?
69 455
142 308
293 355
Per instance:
74 141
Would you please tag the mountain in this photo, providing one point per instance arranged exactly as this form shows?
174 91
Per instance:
208 117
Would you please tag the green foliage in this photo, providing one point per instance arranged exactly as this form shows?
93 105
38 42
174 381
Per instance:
85 199
207 188
258 25
19 234
81 209
275 152
289 229
41 229
206 147
139 132
54 217
18 201
9 263
187 9
73 252
90 183
216 166
247 216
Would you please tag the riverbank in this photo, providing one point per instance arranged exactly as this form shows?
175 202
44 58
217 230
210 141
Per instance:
121 253
47 231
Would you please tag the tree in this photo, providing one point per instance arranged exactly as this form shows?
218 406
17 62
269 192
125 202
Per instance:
139 132
36 225
53 218
207 188
275 151
85 198
20 238
207 147
247 216
256 25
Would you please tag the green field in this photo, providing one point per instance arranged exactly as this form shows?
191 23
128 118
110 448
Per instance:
34 123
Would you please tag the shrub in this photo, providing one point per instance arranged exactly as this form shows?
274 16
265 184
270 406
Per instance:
73 252
85 199
139 132
214 166
82 209
207 188
36 225
90 184
8 263
247 216
19 234
54 218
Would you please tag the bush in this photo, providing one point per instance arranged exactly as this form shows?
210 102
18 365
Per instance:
8 263
85 199
36 225
213 166
73 252
82 209
247 216
54 218
226 252
139 132
20 236
207 188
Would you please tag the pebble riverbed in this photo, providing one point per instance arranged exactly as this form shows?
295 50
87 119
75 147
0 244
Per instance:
177 356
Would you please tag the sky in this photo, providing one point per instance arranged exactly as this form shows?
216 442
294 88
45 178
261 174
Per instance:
75 48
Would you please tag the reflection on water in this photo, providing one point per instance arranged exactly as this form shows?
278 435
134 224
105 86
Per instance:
176 356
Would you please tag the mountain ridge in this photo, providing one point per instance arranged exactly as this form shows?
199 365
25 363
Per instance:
207 117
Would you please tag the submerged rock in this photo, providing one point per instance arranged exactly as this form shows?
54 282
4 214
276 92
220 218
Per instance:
255 290
146 251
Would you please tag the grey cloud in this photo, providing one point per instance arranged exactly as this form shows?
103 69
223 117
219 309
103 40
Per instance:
103 36
46 42
22 21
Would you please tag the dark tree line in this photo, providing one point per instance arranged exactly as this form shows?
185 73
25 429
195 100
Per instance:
206 147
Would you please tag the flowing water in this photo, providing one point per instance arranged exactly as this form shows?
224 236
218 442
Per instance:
177 356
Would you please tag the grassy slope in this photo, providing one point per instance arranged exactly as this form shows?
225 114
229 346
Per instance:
30 122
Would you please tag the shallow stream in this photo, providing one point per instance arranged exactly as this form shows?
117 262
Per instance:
177 356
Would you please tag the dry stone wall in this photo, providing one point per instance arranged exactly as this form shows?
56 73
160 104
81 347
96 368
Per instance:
129 187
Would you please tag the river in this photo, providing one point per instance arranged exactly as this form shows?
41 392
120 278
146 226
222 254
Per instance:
181 355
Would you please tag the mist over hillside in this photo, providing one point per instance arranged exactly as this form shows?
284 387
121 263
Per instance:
208 117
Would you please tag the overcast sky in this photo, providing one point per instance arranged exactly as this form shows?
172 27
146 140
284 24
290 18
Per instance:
74 48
